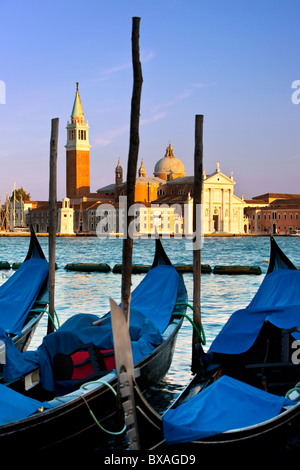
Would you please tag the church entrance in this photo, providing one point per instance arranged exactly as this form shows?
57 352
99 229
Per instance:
216 222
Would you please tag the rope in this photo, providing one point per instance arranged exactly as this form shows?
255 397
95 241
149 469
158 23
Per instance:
201 335
114 433
56 316
48 313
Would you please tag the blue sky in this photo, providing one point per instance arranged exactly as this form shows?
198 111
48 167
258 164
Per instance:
232 61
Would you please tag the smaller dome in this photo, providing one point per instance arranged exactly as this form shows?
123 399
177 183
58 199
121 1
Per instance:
169 164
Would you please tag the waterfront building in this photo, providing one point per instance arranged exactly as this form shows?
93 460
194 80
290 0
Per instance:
275 213
148 219
38 217
13 215
146 187
222 210
164 199
65 218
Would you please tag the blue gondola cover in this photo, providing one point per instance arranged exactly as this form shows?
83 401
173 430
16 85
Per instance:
152 304
14 406
277 301
18 293
225 405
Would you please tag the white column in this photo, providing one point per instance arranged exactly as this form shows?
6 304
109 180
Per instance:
230 210
210 211
223 210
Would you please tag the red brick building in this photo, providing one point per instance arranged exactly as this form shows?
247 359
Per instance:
273 212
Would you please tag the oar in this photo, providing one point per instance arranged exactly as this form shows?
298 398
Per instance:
125 371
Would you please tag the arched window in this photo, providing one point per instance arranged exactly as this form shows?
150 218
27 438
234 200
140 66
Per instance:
161 192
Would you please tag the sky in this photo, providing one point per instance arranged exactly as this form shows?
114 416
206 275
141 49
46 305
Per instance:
233 61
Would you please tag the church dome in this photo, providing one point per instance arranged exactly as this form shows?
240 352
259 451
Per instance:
169 165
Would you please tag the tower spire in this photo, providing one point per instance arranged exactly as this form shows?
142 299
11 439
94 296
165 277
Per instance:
142 170
77 111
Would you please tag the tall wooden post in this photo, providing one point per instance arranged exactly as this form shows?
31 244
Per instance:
132 164
52 218
197 200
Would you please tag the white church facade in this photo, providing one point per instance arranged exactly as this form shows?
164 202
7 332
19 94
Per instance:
223 210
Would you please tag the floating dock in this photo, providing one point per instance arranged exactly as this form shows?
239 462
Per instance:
237 270
136 268
4 265
88 267
144 268
17 265
188 268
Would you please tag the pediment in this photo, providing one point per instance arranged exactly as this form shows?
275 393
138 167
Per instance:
218 178
238 200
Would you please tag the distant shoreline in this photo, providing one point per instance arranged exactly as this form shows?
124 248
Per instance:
88 235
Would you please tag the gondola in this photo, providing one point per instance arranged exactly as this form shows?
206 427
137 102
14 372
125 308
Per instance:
24 298
246 393
75 394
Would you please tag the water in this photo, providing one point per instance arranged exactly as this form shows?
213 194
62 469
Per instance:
221 295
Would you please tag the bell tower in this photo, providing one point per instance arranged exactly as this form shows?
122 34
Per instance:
77 152
118 174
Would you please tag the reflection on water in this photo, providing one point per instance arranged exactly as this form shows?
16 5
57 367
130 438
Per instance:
221 295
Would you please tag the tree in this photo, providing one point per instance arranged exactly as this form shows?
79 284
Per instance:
20 195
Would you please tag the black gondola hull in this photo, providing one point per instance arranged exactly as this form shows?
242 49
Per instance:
38 309
70 418
61 425
279 434
283 431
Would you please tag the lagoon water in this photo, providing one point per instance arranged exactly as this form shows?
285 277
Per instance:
221 295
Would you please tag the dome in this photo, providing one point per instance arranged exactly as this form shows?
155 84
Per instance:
169 165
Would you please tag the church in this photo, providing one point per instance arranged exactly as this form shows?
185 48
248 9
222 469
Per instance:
165 197
223 211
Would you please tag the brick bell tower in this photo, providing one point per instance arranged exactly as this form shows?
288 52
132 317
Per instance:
77 152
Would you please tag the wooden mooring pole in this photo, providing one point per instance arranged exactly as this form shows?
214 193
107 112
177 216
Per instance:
120 316
52 218
197 230
132 164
